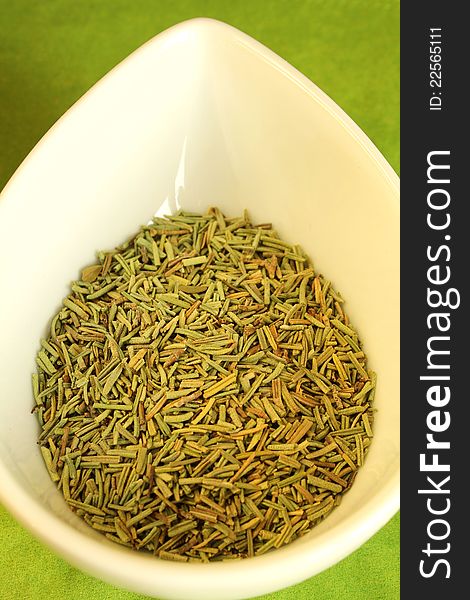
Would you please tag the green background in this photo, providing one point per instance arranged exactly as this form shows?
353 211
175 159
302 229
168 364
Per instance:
52 51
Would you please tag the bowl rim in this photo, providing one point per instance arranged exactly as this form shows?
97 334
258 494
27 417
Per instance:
140 573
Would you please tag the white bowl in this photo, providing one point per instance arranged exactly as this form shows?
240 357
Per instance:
200 115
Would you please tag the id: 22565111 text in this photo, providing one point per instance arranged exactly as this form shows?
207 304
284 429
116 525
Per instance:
435 68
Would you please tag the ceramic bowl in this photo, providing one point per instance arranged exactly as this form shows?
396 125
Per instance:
200 115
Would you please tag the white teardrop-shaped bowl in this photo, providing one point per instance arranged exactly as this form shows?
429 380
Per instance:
200 115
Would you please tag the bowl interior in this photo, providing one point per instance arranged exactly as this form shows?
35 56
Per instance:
201 115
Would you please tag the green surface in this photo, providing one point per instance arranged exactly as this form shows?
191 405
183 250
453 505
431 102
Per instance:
52 51
29 571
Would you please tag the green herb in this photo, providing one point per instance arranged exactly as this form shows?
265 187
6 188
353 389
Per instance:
202 394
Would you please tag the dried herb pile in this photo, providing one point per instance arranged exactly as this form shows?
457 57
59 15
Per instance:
202 394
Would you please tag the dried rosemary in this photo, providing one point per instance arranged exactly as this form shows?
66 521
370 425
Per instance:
202 394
